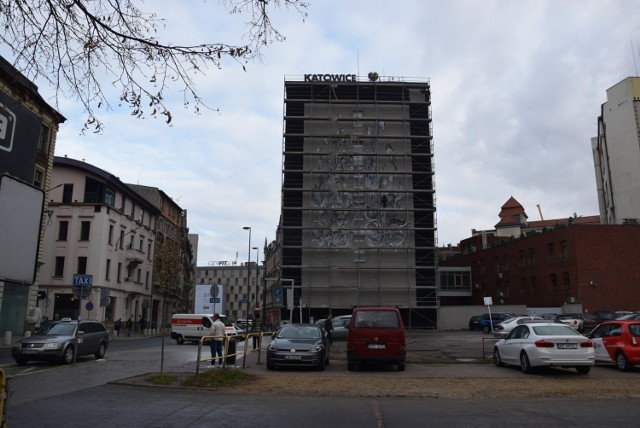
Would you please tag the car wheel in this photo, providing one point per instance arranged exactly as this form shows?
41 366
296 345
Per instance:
321 366
622 362
351 366
179 340
583 369
496 357
525 364
67 355
401 367
270 366
21 361
326 362
486 329
101 351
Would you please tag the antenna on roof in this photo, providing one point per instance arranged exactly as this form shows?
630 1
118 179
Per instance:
634 56
540 212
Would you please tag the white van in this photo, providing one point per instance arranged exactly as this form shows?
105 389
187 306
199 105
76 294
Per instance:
194 326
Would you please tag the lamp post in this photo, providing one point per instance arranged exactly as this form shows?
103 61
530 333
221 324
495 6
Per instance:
257 274
248 273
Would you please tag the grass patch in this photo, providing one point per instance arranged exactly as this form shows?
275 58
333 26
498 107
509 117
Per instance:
162 379
215 378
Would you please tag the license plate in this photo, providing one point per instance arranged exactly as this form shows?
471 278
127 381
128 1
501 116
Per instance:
30 351
567 346
377 346
293 357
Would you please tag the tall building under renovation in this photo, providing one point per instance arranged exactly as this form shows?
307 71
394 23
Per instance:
358 221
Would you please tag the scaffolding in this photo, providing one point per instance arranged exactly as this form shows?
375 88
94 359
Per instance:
358 222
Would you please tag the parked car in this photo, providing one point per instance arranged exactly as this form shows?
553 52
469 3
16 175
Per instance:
588 321
299 345
603 316
489 321
617 342
474 322
59 340
376 336
572 321
503 328
544 344
340 327
631 316
567 319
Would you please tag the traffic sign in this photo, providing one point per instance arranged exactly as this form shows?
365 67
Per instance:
83 280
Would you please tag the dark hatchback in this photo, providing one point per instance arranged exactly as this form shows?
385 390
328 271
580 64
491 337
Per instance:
59 340
298 345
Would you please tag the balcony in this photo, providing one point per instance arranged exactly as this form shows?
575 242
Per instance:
133 256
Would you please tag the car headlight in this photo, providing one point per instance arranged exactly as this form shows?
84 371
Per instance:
317 348
273 347
52 345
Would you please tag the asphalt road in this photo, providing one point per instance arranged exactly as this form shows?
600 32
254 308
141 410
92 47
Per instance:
85 394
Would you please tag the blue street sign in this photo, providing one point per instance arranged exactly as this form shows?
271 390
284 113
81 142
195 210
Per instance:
214 300
83 280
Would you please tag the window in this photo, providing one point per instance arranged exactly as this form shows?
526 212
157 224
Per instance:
82 265
121 239
534 286
564 250
38 178
566 283
133 209
110 234
119 277
521 261
146 281
505 263
554 283
523 286
59 271
107 275
551 252
85 228
67 193
532 257
63 230
43 139
122 199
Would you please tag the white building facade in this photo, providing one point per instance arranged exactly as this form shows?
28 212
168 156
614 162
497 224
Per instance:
98 249
616 153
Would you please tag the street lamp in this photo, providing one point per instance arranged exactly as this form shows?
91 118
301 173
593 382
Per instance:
248 272
257 273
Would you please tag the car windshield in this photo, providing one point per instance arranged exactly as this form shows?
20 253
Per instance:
58 329
293 332
555 330
376 319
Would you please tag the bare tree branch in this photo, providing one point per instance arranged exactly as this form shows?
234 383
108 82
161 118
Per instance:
81 48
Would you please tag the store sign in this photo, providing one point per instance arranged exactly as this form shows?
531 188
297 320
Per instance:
330 78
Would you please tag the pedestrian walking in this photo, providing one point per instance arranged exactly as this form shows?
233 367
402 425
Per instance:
217 331
129 327
142 323
328 327
256 329
117 325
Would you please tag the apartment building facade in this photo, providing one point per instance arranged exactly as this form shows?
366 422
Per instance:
99 246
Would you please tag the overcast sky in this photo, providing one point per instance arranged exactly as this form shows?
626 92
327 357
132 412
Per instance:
516 91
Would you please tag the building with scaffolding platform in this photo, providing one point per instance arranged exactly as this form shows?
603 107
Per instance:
358 212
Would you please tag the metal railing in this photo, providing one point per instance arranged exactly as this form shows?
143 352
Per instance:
225 349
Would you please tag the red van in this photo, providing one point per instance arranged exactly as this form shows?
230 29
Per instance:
376 336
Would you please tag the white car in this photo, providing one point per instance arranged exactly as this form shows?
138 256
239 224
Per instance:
544 344
505 327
